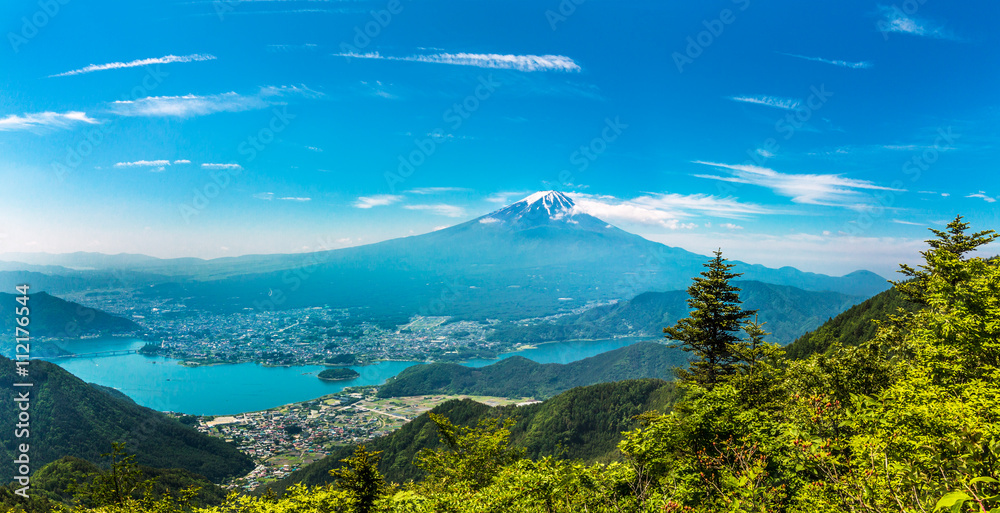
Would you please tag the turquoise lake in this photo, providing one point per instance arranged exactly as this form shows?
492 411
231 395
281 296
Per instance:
162 384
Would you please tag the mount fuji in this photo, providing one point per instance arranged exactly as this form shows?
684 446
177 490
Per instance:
537 256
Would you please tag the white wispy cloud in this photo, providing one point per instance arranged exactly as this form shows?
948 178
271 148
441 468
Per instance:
908 223
41 121
166 59
194 105
814 189
483 60
770 101
378 200
982 195
440 209
182 161
211 165
187 105
915 147
290 48
666 210
266 196
893 19
731 226
437 190
299 199
155 165
834 62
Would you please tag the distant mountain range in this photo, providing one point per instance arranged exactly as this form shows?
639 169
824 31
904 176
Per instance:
787 311
72 418
520 377
535 257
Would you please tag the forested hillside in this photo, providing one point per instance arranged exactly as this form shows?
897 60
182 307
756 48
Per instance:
57 318
856 325
788 312
72 418
520 377
585 423
57 480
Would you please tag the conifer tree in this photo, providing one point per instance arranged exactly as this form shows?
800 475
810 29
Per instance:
361 478
944 261
713 328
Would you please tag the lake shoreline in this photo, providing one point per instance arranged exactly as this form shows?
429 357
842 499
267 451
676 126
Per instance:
162 384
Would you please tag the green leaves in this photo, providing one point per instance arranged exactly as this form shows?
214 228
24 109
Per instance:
713 326
361 479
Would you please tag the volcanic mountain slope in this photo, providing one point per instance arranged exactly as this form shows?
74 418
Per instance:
534 257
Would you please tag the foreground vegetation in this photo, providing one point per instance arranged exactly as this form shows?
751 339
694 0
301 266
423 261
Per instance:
907 421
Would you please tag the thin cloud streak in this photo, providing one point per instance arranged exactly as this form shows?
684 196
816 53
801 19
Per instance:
437 190
526 63
166 59
143 163
440 209
842 64
776 102
40 121
813 189
982 195
379 200
193 105
895 20
667 210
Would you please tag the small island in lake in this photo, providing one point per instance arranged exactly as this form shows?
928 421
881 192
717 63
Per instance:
338 374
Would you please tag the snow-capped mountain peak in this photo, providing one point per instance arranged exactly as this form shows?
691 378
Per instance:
554 202
543 208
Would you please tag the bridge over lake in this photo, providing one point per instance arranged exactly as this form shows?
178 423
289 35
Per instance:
116 352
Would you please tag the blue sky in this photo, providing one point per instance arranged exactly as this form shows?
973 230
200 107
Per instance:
827 136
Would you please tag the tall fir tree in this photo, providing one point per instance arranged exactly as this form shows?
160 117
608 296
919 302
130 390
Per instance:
944 260
713 328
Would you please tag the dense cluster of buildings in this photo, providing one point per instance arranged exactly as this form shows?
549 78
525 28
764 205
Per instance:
283 439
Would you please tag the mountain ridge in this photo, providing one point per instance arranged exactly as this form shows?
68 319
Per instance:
520 377
522 260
